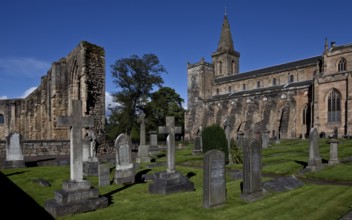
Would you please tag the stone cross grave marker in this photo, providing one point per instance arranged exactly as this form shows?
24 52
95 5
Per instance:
76 122
171 130
314 162
214 179
142 128
228 137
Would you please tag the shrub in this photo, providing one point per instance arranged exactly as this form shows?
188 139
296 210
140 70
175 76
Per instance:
214 137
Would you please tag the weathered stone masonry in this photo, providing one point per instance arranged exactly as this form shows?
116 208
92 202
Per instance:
286 99
80 75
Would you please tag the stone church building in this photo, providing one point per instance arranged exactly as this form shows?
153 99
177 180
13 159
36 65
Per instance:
78 76
285 100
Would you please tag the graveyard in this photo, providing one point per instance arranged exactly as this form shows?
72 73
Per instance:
322 194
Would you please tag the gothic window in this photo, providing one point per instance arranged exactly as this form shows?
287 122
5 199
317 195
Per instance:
220 67
342 65
291 79
274 81
232 67
2 119
258 84
304 116
334 106
244 87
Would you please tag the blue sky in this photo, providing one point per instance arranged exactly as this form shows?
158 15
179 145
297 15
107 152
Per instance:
38 32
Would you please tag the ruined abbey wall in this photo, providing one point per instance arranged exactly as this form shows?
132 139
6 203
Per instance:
80 75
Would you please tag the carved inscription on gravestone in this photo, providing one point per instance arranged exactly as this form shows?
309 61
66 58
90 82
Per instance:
214 178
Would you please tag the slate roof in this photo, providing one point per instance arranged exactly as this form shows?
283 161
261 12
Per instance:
269 70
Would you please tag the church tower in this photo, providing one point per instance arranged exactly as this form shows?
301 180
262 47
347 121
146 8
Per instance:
225 58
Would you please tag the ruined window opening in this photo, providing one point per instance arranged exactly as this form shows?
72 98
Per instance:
217 91
342 65
244 87
230 89
258 84
274 81
334 106
2 119
291 79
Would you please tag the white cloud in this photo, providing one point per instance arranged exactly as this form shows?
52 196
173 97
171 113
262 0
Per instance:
23 67
109 103
28 91
3 97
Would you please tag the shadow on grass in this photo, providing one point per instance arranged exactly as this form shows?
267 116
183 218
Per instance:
302 163
139 178
16 203
35 163
190 174
158 156
17 173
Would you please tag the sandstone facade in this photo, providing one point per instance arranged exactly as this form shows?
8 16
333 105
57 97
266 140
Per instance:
80 75
286 99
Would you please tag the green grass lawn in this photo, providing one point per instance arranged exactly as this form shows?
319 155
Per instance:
312 201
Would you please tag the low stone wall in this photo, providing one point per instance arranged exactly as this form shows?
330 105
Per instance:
40 148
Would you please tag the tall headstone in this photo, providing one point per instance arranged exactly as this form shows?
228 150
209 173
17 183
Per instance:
124 172
252 188
198 142
90 160
153 146
228 138
170 181
334 152
214 179
143 148
77 195
265 139
315 161
14 154
240 139
104 175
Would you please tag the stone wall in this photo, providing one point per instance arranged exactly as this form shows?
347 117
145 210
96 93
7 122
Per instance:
80 75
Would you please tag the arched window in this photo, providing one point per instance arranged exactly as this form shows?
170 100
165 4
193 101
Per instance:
220 67
274 81
2 119
334 106
342 65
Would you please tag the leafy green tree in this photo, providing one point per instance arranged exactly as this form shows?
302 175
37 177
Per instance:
164 102
214 137
135 78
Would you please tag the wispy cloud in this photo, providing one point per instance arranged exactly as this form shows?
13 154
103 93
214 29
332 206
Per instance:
23 67
28 91
109 103
3 97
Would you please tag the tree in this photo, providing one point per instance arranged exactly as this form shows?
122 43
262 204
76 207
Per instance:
164 102
135 78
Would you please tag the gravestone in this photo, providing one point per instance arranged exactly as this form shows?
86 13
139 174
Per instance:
90 161
153 146
334 152
228 137
170 181
277 141
214 179
143 148
282 184
315 161
77 195
198 142
252 188
265 139
124 173
14 155
240 139
104 175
